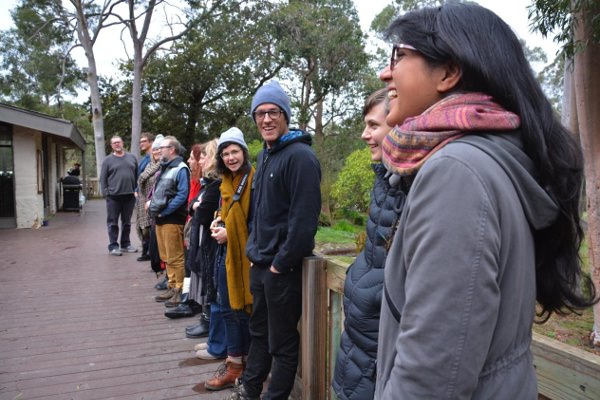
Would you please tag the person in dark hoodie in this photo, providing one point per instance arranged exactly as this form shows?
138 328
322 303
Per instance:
354 376
286 200
491 222
168 206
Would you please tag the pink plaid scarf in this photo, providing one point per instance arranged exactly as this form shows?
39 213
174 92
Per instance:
407 147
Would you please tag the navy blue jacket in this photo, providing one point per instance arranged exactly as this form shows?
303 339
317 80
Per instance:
286 202
354 376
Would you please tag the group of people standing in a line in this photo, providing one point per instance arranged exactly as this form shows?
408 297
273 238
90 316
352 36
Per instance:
475 215
230 237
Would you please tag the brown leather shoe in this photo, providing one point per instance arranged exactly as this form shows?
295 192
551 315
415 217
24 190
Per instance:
174 300
166 295
225 376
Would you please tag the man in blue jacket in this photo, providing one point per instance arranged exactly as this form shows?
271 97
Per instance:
286 199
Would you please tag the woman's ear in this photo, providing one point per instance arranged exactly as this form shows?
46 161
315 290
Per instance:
450 78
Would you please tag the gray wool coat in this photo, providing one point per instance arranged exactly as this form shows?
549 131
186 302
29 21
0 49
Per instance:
459 297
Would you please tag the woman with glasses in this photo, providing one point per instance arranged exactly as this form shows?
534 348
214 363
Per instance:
491 222
232 268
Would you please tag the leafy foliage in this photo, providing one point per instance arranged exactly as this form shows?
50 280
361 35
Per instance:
324 45
33 56
205 84
353 187
558 17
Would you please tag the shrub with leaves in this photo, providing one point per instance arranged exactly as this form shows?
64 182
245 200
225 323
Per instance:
352 189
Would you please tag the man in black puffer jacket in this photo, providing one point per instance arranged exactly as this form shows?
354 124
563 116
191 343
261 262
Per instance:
355 373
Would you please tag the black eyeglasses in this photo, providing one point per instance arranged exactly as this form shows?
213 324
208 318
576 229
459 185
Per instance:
273 114
232 153
165 147
395 50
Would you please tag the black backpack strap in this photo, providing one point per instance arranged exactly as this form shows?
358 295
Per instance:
390 303
238 192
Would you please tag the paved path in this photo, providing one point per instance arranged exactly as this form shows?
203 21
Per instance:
76 323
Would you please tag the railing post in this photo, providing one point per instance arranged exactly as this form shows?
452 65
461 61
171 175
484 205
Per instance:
314 329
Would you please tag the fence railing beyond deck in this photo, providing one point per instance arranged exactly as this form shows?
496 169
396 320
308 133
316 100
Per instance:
563 371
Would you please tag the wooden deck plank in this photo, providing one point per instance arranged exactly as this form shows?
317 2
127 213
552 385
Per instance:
77 323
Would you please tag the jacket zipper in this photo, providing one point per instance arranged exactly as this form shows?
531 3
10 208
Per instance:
262 175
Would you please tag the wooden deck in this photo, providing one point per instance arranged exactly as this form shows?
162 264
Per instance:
76 323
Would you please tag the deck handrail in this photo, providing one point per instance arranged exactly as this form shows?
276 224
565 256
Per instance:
563 371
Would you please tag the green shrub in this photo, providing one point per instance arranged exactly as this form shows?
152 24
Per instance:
352 189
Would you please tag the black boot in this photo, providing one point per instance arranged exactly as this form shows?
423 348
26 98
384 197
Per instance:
204 315
145 256
201 328
162 285
186 309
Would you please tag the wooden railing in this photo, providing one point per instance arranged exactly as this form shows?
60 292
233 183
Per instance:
563 371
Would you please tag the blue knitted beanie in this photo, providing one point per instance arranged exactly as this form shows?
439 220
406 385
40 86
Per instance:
271 92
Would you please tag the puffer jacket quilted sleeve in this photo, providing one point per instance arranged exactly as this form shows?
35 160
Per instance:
354 376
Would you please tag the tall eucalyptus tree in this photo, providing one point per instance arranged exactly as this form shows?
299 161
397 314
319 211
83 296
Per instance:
36 66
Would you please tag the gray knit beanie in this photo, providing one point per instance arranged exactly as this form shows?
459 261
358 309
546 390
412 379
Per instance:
271 92
232 135
157 140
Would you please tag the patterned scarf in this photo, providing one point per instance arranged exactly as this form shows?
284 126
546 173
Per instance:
407 147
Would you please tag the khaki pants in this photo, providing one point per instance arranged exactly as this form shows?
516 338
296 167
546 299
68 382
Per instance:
170 248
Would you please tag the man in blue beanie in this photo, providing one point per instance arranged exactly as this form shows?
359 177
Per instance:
286 202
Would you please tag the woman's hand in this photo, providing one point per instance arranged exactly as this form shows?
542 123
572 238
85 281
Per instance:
219 233
216 222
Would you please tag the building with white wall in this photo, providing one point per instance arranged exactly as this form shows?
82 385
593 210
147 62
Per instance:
32 148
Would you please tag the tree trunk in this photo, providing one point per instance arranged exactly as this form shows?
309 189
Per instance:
569 105
587 88
92 78
136 102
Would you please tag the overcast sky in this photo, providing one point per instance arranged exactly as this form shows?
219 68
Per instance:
514 12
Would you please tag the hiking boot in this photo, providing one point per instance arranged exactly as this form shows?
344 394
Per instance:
174 300
239 392
165 295
225 376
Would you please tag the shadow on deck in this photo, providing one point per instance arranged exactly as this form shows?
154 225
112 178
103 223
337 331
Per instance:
77 323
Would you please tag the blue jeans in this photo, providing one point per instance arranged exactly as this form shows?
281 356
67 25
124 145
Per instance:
217 345
236 321
116 206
